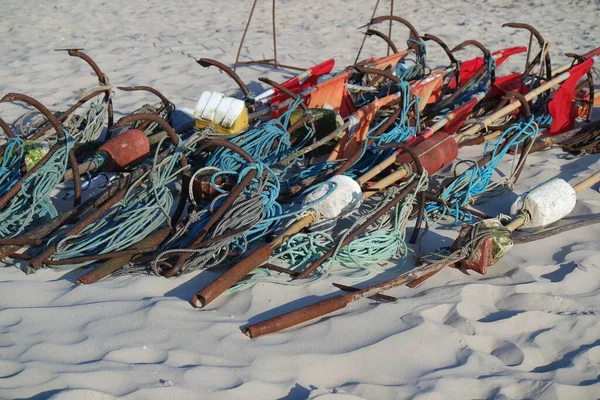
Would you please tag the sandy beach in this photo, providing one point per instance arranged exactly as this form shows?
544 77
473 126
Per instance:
528 329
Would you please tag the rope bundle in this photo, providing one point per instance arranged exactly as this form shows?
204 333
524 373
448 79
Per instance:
33 200
145 208
384 240
267 143
476 180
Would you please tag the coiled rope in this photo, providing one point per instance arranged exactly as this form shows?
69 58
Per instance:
476 181
384 240
144 209
33 200
267 143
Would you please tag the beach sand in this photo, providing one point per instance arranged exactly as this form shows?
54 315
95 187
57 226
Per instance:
528 329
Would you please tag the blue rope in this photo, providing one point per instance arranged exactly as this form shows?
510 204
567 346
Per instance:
406 72
267 143
32 201
475 181
9 170
143 210
399 132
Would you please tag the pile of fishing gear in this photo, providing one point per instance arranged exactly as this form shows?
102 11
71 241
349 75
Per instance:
322 175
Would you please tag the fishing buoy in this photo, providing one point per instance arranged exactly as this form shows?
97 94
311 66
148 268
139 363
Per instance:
345 196
226 114
435 152
125 149
546 204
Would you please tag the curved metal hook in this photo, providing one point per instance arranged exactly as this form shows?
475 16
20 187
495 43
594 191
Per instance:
531 29
381 35
38 106
463 45
154 118
414 34
101 78
150 89
487 55
80 54
442 44
59 132
208 62
541 42
525 109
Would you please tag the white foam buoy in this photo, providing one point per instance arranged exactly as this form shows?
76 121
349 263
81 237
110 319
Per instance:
225 114
345 197
207 105
546 204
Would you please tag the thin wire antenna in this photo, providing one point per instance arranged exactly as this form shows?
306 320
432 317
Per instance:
365 36
390 30
273 62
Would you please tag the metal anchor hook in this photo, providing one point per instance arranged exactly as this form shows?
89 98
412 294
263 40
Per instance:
11 97
543 48
384 37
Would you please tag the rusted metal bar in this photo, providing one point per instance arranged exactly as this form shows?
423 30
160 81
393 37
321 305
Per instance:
332 304
6 128
237 57
380 297
274 33
19 242
390 28
115 263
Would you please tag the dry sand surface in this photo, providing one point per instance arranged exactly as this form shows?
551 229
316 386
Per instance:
529 329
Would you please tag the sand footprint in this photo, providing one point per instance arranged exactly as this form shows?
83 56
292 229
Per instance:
137 355
509 353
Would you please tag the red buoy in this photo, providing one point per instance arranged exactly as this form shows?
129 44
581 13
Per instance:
435 152
127 148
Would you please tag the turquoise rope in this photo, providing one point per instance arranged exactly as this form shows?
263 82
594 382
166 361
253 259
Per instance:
141 212
475 181
33 200
267 143
381 243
